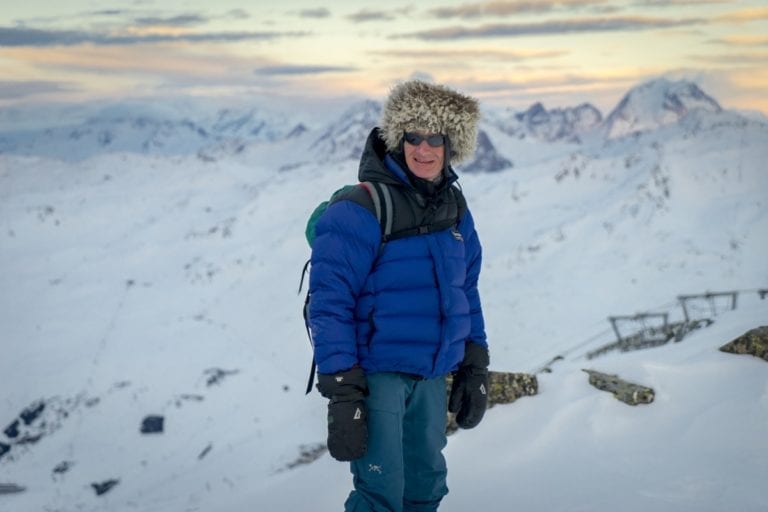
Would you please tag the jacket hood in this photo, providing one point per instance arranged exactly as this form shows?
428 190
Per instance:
372 167
421 106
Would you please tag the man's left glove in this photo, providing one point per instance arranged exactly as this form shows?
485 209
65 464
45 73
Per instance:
469 392
347 413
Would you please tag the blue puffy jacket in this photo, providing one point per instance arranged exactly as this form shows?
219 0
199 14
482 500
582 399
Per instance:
409 308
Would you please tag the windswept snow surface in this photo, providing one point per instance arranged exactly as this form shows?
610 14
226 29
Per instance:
131 280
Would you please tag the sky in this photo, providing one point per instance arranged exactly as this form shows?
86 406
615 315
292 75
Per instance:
506 53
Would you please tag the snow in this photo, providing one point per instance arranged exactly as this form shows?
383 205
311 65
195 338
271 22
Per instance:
657 103
129 277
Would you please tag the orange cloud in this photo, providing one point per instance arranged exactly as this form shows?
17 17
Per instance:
745 15
743 40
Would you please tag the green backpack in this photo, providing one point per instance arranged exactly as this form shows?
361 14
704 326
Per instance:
379 193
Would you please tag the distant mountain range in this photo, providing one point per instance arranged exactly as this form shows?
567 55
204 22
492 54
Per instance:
146 128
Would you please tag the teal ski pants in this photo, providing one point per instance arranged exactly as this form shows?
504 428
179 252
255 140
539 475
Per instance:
403 469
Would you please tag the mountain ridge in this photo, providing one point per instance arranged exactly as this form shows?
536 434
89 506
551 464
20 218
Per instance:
186 128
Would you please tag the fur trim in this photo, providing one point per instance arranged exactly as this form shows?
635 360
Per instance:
417 105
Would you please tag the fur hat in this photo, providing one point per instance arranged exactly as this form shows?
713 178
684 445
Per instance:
417 105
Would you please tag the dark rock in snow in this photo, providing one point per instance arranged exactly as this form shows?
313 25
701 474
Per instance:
4 448
205 451
216 375
105 486
32 412
62 467
152 424
11 488
12 430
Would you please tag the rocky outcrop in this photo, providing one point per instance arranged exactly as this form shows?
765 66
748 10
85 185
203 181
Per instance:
627 392
486 158
753 342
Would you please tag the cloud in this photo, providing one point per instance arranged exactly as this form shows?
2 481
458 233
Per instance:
741 41
14 36
555 27
182 20
481 9
21 89
475 55
677 3
238 14
320 12
734 58
107 12
302 70
369 15
745 15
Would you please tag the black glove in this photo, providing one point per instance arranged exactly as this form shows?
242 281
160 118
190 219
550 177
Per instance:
469 392
347 414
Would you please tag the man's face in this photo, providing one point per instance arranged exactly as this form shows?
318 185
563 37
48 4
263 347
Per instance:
424 160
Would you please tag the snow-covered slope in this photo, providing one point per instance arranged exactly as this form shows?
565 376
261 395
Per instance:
139 285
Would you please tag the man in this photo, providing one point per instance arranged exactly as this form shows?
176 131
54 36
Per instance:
392 315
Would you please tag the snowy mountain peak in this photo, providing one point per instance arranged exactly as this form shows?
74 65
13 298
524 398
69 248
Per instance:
657 103
345 137
538 123
486 158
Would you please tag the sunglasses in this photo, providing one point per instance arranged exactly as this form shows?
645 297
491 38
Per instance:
435 140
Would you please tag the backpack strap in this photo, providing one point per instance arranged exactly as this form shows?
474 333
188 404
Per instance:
382 204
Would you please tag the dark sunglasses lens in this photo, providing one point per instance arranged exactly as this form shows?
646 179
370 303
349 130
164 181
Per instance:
436 140
413 138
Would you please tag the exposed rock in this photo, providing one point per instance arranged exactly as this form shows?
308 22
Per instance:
62 467
216 375
503 388
753 342
187 397
11 488
105 486
307 455
152 424
627 392
41 418
486 158
205 451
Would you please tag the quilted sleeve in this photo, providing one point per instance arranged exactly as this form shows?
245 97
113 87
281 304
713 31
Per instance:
474 260
343 252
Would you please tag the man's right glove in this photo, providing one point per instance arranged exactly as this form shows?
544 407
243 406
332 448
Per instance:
469 392
347 414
